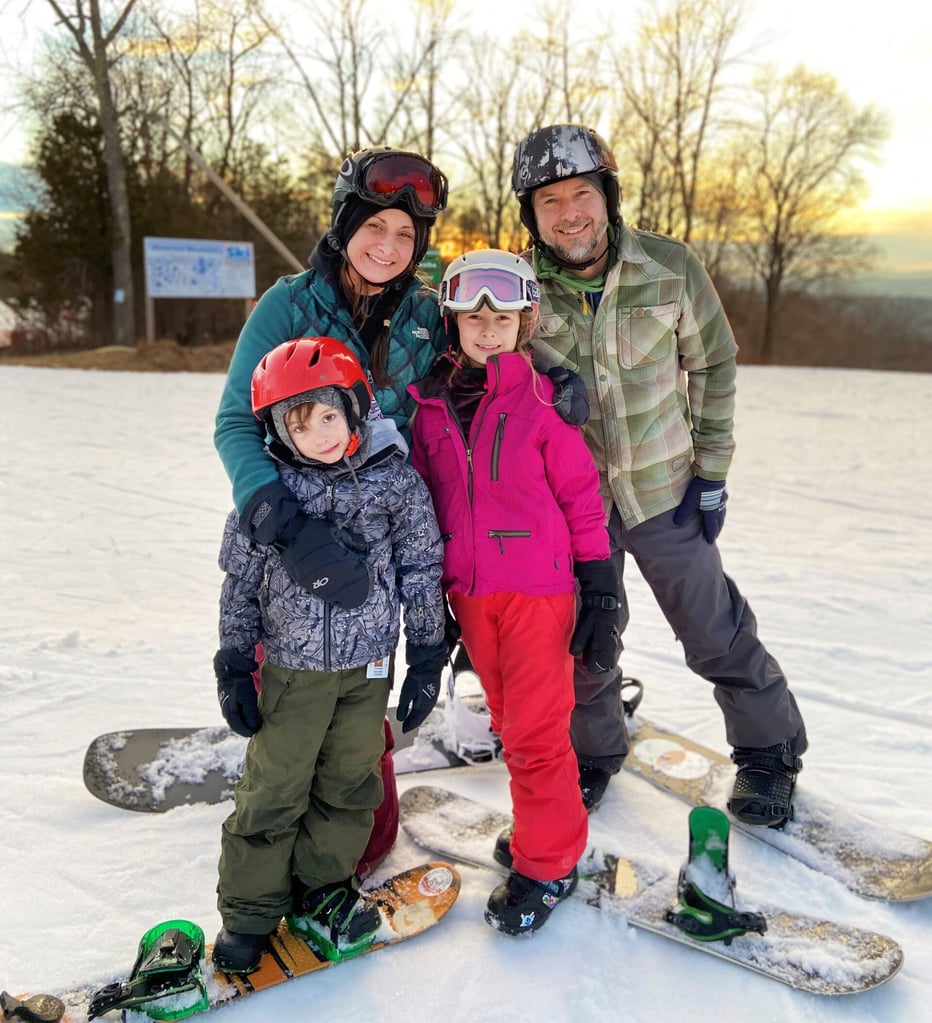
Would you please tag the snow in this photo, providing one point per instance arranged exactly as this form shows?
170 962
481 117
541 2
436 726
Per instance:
113 502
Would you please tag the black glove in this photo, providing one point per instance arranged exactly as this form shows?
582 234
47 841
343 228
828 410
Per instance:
707 497
452 632
236 691
570 398
421 686
320 556
596 638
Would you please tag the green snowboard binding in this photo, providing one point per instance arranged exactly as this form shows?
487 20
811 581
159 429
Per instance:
166 980
706 888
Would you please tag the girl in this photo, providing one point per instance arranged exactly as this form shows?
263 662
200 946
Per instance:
517 498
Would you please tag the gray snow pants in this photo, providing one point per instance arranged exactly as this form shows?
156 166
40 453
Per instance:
718 631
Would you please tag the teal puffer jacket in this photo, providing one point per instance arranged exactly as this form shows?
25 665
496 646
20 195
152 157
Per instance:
306 305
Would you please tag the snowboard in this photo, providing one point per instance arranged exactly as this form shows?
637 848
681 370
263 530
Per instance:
409 903
153 770
803 952
157 769
863 855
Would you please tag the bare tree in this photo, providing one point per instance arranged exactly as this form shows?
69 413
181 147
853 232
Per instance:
803 149
95 34
545 75
671 78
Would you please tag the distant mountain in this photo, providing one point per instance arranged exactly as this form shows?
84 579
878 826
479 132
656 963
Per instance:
18 187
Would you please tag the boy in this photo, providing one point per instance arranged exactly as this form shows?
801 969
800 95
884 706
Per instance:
304 806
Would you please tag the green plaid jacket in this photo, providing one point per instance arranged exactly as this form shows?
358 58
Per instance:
658 360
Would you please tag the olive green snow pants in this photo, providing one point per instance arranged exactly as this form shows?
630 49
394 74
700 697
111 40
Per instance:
310 784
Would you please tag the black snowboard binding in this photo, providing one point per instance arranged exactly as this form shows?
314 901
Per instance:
168 966
706 887
764 784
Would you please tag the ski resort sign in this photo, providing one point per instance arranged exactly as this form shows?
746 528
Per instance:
191 268
195 268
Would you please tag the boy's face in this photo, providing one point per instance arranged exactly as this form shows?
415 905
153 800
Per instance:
485 332
319 432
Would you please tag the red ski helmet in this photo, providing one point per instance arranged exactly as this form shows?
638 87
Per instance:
305 364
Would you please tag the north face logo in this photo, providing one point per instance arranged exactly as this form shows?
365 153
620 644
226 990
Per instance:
421 333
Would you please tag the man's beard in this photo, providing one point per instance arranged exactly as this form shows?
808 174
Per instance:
582 251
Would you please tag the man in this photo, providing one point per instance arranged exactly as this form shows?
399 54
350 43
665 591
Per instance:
637 317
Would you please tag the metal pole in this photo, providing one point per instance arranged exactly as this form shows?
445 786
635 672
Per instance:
223 187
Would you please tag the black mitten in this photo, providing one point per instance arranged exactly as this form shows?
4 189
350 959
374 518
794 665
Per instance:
236 691
596 638
326 559
570 398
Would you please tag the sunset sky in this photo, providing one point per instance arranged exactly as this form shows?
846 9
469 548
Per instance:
881 58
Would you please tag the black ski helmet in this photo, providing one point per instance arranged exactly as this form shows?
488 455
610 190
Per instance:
557 152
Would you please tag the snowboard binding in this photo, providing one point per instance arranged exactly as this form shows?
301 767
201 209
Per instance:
468 722
166 978
706 887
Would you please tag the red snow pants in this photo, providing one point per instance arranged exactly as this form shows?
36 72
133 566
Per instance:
519 646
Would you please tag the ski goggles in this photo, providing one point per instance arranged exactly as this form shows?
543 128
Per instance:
504 291
383 177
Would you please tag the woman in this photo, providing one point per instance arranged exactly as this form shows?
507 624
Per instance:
362 290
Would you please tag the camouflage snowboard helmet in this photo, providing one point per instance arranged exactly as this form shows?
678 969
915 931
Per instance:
557 152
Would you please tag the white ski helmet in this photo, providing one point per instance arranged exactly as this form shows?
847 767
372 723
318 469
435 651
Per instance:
502 279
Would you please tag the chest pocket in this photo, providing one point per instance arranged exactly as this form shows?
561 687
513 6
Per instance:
646 334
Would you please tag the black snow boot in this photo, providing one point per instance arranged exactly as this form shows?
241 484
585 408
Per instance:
520 904
502 851
238 953
593 781
764 784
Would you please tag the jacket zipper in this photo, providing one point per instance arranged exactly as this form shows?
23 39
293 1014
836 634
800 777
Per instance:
497 445
328 502
500 534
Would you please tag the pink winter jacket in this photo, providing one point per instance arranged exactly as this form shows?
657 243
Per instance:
521 503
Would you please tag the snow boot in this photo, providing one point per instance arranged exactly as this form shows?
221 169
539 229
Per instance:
593 781
502 851
764 784
336 919
235 952
520 904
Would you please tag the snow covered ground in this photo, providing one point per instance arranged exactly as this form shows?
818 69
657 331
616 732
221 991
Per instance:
112 502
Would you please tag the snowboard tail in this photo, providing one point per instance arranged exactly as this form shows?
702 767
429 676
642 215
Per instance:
864 856
818 956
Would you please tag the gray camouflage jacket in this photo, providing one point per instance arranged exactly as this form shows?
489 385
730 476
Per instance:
379 496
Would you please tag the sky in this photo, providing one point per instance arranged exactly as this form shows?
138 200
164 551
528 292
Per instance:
112 504
880 57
